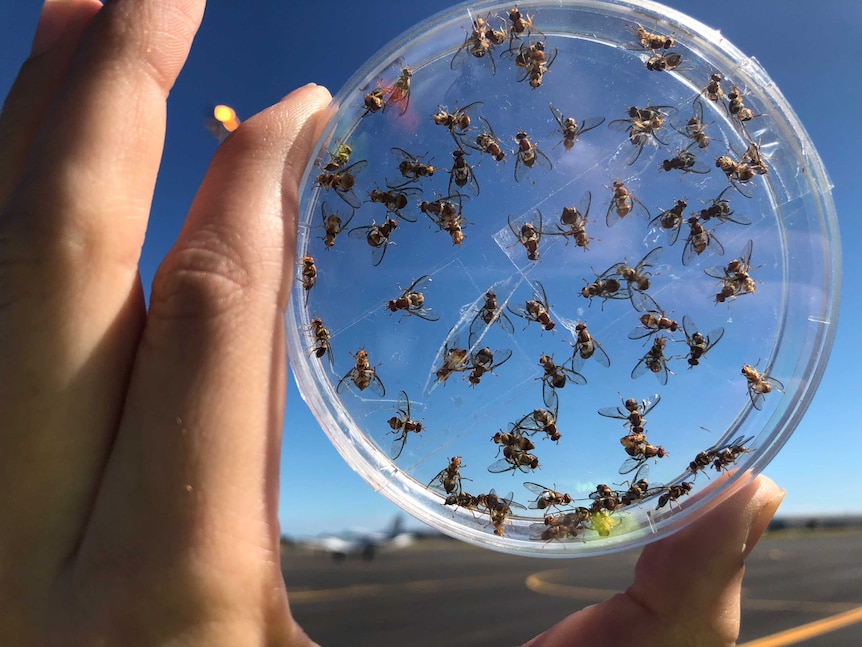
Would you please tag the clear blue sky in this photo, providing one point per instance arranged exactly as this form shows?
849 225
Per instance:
248 54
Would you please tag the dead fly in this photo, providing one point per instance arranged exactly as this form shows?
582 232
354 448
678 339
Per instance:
456 122
641 453
377 236
462 500
698 241
573 222
605 498
671 220
541 420
642 127
663 62
737 108
737 172
654 361
308 275
321 340
623 202
698 344
411 167
449 479
403 425
633 412
455 360
735 280
488 142
650 40
514 439
462 173
446 214
606 286
342 182
555 377
653 321
528 155
536 309
639 488
339 159
520 25
478 45
547 498
637 278
727 455
399 92
565 525
586 348
759 384
362 375
499 509
489 314
570 129
395 199
332 225
484 361
673 493
755 159
535 61
514 458
684 161
712 90
719 208
694 128
529 236
374 101
412 301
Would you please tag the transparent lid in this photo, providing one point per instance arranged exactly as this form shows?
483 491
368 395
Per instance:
568 276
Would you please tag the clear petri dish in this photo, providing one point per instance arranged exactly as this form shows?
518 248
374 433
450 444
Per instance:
663 259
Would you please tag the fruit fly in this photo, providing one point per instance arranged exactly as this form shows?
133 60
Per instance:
570 129
737 107
633 412
698 344
514 458
529 236
520 25
573 222
535 61
641 453
528 155
585 347
402 425
449 479
562 526
637 278
699 240
735 280
555 377
642 126
411 167
339 159
755 159
654 361
362 376
342 181
499 509
412 301
478 44
623 202
541 420
446 214
395 199
332 225
456 122
671 220
719 208
759 384
489 314
455 360
377 236
514 438
606 286
547 497
399 92
695 129
727 455
308 275
712 90
737 172
374 101
321 340
652 322
684 161
484 361
605 498
650 40
463 500
462 173
663 62
536 309
673 493
488 142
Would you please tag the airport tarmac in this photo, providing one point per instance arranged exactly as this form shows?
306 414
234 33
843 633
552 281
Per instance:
802 587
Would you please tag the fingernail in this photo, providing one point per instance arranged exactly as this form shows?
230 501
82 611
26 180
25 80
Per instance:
760 521
52 24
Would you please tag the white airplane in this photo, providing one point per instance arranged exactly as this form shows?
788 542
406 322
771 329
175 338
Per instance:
362 543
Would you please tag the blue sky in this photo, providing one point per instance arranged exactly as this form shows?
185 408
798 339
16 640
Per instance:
248 54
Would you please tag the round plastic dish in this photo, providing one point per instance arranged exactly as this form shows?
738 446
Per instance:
503 422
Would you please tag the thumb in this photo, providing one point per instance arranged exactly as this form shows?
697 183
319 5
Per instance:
687 587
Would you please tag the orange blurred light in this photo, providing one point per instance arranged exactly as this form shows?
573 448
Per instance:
227 117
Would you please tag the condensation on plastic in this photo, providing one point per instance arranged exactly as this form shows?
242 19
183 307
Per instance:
785 328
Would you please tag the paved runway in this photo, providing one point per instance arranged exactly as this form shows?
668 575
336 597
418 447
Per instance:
805 583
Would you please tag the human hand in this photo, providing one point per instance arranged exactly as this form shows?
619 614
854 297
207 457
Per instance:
139 449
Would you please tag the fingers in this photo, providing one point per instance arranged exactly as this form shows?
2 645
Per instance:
191 488
687 587
71 308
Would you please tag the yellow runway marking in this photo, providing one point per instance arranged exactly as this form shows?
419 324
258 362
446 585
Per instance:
538 584
809 630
